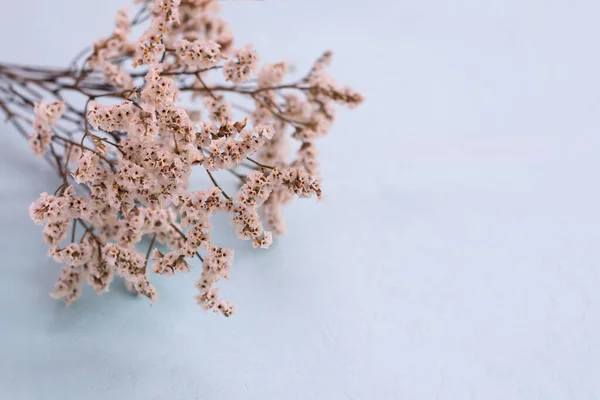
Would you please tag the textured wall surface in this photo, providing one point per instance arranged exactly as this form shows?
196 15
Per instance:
456 254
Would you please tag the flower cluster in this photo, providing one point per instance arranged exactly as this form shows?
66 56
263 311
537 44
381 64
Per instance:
129 265
117 76
109 48
45 117
125 207
242 66
198 54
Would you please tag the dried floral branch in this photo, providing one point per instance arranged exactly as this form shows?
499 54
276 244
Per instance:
126 156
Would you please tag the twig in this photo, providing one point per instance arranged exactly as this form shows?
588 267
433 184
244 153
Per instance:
259 164
184 237
216 184
149 250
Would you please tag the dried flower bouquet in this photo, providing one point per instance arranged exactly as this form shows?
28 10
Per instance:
128 120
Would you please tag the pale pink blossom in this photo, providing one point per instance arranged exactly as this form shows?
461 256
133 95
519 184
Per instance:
159 89
170 263
176 99
271 74
198 54
243 64
45 118
68 286
117 76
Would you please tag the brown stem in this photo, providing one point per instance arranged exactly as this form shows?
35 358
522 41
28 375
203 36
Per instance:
259 164
90 231
185 238
212 178
149 250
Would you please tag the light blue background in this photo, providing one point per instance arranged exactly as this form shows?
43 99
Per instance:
456 255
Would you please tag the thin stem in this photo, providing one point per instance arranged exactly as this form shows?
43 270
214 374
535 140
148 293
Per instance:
185 238
73 232
259 164
90 231
206 87
149 250
102 157
212 178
